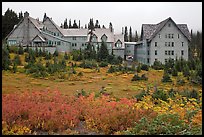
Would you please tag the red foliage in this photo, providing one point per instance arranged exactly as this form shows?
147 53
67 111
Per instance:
52 111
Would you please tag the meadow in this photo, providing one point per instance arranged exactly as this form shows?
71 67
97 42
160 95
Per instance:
53 105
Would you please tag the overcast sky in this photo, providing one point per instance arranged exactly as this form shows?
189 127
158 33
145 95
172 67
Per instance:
120 14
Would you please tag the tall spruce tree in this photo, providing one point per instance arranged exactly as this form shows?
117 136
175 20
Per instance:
111 27
136 36
126 35
65 24
9 19
103 52
70 23
75 25
130 34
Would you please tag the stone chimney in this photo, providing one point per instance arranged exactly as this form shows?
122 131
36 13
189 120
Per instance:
26 14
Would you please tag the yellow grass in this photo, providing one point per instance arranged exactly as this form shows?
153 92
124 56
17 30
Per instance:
120 85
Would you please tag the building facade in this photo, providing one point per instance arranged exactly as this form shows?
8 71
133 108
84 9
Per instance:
158 41
163 41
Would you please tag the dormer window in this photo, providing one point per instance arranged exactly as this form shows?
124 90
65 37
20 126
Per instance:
104 38
118 44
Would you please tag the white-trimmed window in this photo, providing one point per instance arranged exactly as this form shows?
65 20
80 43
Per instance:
12 42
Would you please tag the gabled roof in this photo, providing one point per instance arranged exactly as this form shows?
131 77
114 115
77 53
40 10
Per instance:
35 22
149 31
57 27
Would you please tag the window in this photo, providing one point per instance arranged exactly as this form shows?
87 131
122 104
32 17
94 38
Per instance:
178 36
82 44
182 52
58 43
155 59
74 38
148 52
155 52
159 35
75 44
165 60
165 52
169 52
147 60
55 42
172 52
72 44
169 36
54 34
169 44
182 44
57 34
155 44
169 25
165 35
165 43
172 44
12 42
172 36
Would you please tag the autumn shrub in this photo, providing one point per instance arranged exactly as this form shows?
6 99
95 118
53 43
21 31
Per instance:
45 111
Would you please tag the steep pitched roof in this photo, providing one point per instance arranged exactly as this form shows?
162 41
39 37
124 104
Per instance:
150 30
35 22
57 27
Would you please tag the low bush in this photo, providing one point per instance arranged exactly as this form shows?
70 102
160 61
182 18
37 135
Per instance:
136 78
103 64
157 65
166 78
88 64
165 124
160 94
144 67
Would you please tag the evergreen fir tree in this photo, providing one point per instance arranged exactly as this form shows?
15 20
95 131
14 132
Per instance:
65 24
126 35
103 52
130 35
136 36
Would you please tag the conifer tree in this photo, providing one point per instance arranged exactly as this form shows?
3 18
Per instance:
130 34
126 35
